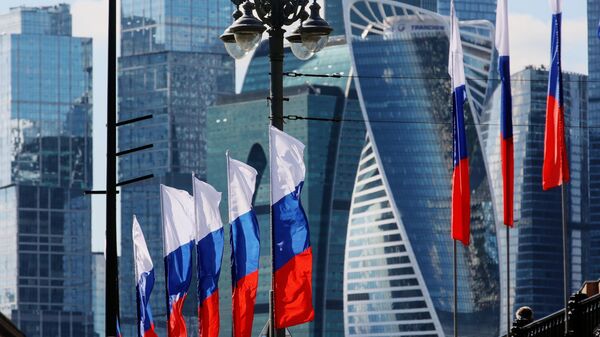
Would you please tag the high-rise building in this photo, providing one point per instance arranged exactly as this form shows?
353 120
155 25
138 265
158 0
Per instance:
45 167
470 9
593 8
240 124
536 266
399 250
335 16
98 292
172 66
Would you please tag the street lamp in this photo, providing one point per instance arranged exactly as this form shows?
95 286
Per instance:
245 34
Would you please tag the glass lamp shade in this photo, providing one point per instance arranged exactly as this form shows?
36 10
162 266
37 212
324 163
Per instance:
247 41
314 42
234 50
300 51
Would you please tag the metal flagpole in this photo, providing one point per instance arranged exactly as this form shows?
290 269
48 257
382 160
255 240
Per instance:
162 224
276 56
508 310
230 223
112 268
565 255
455 267
455 293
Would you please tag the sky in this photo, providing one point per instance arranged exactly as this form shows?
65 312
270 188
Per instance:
529 22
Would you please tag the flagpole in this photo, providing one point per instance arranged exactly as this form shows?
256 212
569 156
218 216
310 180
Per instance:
565 255
276 56
455 293
196 236
508 310
165 260
137 296
229 219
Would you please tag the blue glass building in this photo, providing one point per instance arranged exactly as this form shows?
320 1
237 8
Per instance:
172 66
240 124
470 9
536 263
593 8
334 16
99 292
398 265
334 13
45 166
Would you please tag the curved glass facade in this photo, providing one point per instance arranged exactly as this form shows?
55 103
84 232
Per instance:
404 269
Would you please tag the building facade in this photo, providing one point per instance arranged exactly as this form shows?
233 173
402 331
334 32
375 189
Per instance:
335 16
593 8
172 66
470 9
240 124
45 167
99 292
399 249
536 263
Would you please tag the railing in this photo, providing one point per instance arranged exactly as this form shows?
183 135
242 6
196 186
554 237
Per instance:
584 320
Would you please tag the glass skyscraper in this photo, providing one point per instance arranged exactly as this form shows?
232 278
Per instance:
45 167
240 124
335 16
470 9
172 66
593 8
398 265
99 292
536 262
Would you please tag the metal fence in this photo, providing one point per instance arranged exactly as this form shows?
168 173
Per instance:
584 320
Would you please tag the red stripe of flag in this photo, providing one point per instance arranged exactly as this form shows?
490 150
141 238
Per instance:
244 299
208 316
293 291
556 168
461 202
508 169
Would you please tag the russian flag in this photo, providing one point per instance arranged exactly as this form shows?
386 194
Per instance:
461 198
179 232
556 168
291 249
506 127
144 277
209 248
245 245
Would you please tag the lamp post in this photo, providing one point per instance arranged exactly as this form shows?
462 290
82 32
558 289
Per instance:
245 34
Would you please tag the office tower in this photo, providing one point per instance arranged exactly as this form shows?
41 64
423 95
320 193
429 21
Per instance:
470 9
593 7
98 292
45 167
240 124
335 16
172 66
399 251
536 260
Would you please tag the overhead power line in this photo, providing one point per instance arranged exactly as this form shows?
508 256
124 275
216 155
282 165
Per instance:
389 121
384 77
